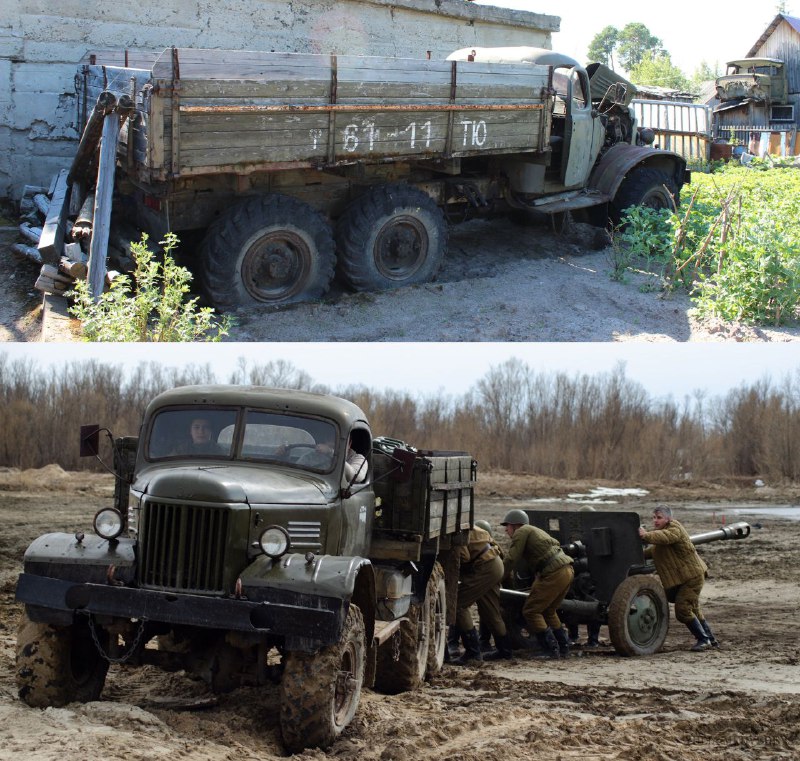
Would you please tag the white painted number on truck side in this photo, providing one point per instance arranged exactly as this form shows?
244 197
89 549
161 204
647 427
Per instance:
474 132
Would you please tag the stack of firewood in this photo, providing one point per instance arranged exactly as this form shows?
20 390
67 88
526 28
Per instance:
61 226
71 264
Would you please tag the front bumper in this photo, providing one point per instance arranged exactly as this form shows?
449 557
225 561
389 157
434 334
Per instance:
298 617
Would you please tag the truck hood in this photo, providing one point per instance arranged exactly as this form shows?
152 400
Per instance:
234 483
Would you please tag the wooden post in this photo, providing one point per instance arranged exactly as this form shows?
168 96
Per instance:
52 238
106 102
102 205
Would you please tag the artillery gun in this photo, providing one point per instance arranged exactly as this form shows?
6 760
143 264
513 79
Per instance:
614 584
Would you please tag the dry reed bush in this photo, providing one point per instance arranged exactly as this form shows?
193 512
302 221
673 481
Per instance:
554 425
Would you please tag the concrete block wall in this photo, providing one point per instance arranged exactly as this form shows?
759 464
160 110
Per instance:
42 42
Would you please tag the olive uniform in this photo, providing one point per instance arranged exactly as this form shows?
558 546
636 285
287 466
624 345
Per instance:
480 577
552 569
682 572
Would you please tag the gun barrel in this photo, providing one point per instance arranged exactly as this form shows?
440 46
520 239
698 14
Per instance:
734 531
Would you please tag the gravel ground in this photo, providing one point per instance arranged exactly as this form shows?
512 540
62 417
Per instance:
501 281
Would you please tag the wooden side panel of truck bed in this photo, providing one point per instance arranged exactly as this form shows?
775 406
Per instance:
213 111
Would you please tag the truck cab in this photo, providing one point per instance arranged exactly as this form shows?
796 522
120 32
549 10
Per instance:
761 80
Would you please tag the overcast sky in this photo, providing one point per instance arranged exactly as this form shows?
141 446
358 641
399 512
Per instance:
691 31
664 369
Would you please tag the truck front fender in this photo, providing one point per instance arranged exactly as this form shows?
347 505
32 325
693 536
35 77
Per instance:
89 559
320 576
618 160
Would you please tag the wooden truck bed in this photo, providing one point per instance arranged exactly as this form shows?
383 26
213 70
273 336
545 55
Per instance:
202 112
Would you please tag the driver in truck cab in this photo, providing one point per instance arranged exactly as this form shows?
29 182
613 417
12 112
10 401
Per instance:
355 466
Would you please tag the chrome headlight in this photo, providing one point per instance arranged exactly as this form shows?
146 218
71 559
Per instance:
108 523
274 541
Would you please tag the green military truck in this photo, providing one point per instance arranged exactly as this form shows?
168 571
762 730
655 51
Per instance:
288 168
246 547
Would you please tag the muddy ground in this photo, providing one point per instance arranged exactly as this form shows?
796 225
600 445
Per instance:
739 702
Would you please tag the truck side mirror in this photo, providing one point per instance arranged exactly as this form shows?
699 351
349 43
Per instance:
90 441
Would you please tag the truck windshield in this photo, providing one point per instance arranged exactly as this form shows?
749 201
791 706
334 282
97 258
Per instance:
307 443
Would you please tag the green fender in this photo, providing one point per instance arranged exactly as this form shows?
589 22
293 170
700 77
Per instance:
330 576
91 560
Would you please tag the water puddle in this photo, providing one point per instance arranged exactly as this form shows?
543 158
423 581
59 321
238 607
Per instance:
600 495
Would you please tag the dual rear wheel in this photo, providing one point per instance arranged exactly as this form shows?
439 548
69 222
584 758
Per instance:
277 250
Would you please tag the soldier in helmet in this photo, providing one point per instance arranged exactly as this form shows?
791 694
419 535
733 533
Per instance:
682 572
552 570
479 583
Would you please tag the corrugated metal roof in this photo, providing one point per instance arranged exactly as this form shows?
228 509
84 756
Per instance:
793 21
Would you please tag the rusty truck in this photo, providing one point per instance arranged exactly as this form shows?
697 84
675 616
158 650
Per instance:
260 549
287 168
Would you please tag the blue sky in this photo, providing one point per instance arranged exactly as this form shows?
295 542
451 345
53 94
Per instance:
664 369
691 31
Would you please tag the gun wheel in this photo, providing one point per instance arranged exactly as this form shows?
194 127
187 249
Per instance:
58 665
320 691
638 616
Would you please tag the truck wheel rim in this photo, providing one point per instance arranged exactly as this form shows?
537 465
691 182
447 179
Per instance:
657 199
276 266
401 247
643 618
345 687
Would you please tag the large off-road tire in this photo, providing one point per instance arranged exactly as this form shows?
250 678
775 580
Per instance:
392 235
320 691
403 658
268 250
638 616
437 595
647 187
59 665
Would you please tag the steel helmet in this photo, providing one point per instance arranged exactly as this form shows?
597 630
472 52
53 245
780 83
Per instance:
517 516
485 525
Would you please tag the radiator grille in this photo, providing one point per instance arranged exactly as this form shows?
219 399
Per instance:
182 547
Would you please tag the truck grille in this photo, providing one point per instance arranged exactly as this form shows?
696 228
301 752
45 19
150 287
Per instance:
182 547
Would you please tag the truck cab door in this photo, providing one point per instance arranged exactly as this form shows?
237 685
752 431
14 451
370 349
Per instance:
583 131
358 502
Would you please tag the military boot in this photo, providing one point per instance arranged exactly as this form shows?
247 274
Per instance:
548 644
707 629
696 628
472 648
563 641
486 638
453 649
502 651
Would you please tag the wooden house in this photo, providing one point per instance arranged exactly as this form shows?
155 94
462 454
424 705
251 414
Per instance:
752 121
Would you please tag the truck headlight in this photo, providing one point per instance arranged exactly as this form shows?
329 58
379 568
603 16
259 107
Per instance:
108 523
274 541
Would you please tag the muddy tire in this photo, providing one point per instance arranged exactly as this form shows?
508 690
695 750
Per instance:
437 595
58 665
638 616
320 691
647 187
267 250
391 236
403 659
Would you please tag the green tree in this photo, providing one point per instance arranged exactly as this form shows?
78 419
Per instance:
635 42
602 46
658 70
702 74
